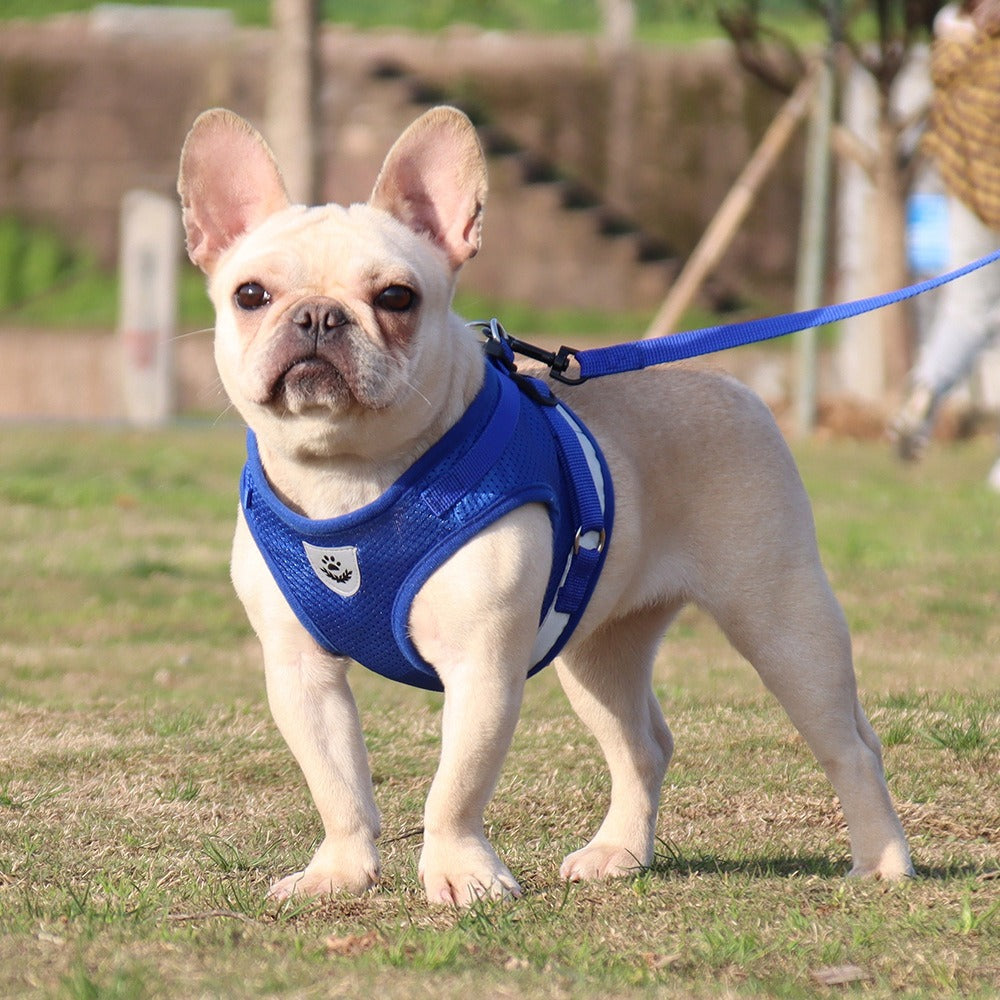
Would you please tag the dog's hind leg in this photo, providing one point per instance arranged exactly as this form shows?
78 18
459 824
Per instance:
794 633
608 681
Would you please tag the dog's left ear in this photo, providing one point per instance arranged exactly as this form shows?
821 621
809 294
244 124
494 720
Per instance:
434 181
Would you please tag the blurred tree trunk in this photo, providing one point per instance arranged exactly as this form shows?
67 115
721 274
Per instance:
618 33
891 186
770 56
292 102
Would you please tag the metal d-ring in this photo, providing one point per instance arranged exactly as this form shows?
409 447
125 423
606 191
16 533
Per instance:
602 537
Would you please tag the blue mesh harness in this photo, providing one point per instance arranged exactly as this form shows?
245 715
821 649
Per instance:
351 580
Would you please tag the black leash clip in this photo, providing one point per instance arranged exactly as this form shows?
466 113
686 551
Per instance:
502 346
560 364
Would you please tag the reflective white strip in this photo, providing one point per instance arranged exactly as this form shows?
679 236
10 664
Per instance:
554 622
593 462
552 625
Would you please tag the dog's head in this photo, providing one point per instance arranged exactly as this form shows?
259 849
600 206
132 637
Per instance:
332 319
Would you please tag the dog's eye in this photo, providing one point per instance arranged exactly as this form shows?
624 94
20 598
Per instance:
396 298
252 295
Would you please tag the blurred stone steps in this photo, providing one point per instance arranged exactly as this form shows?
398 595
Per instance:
548 242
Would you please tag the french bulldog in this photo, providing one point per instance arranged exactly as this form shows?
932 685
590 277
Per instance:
336 341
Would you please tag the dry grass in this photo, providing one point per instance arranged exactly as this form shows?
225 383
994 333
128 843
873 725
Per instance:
146 799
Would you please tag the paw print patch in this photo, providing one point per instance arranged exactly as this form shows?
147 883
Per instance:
337 568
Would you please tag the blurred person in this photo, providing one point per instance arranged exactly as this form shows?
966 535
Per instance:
963 140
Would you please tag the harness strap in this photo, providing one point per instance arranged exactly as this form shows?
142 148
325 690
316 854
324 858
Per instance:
448 489
577 455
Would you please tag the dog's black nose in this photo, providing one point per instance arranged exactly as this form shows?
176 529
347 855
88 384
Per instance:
315 317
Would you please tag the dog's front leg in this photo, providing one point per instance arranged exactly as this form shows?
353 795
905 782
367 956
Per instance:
315 711
458 864
476 620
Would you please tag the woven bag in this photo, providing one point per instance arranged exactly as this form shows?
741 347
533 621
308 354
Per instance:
963 135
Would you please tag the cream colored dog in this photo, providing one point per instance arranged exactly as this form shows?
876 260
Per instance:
710 509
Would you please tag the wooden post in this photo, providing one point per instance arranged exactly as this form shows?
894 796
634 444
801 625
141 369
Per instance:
618 33
812 246
733 209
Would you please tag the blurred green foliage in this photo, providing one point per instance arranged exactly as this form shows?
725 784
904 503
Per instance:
655 16
32 261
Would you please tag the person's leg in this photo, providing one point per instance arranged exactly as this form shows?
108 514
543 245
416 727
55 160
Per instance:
965 321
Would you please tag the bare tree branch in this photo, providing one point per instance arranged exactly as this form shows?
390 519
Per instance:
763 51
771 56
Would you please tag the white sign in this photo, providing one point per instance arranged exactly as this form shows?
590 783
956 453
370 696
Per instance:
148 265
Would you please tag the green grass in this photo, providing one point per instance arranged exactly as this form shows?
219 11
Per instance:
146 799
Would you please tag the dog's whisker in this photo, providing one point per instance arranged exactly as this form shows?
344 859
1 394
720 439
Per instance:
212 391
193 333
410 385
221 415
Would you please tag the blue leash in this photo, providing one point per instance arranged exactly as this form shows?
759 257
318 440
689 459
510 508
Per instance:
638 354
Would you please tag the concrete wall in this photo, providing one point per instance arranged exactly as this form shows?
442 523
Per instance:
91 107
77 375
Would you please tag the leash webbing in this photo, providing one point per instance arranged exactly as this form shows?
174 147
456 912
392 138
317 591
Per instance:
629 357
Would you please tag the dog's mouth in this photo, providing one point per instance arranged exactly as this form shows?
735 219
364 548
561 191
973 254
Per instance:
311 376
352 373
308 382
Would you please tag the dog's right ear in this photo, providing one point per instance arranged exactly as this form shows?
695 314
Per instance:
228 184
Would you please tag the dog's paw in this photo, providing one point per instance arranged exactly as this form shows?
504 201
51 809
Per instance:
601 861
460 873
331 872
893 863
320 882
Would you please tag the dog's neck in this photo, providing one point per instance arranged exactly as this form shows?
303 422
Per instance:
325 481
